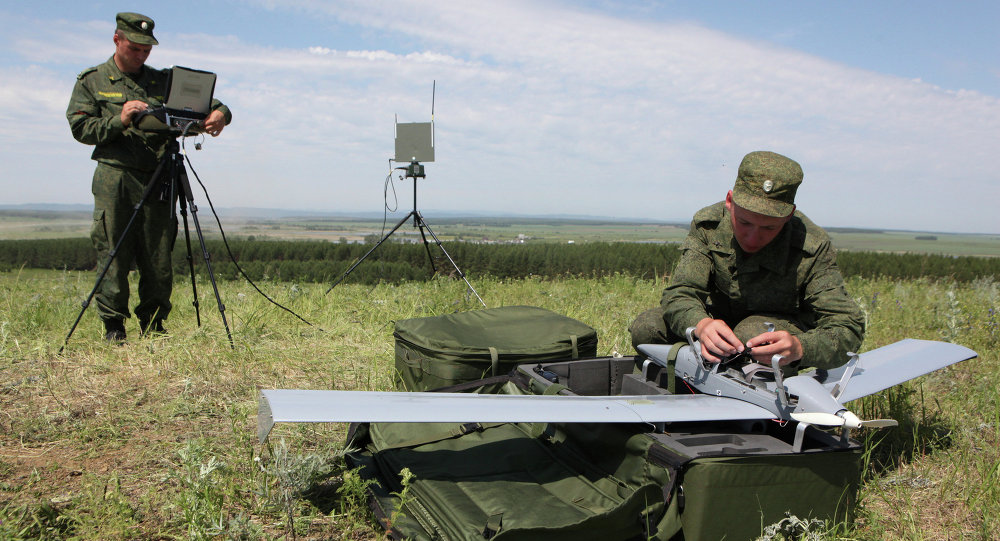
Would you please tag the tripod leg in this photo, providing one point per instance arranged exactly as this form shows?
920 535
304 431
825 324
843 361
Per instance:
153 182
369 252
452 261
186 193
187 240
427 246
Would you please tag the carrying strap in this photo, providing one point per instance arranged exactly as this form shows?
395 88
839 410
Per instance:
456 431
554 389
671 364
673 462
576 350
494 360
493 525
538 429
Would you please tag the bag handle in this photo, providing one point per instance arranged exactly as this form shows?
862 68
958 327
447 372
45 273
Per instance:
494 523
494 360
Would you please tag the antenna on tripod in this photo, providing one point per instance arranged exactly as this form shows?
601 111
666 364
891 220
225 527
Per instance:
415 144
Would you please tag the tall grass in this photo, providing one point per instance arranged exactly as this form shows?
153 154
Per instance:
156 438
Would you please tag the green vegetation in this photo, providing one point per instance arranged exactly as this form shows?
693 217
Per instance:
155 439
323 262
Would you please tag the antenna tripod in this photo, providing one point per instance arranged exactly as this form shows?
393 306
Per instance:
171 178
414 170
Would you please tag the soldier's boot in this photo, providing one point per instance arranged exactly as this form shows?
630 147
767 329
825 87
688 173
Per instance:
114 330
154 327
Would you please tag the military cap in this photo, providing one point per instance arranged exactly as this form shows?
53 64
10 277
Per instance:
137 28
766 184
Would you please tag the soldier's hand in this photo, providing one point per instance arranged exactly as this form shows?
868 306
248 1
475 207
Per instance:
774 343
130 109
214 123
717 339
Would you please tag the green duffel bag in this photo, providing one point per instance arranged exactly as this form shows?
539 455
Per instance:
433 352
505 481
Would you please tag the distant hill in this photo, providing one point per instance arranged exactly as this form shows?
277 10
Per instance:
68 212
852 230
47 207
439 216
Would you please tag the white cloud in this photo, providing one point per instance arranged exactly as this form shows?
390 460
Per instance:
542 109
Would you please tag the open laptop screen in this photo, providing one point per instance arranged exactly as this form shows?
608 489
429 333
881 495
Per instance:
189 92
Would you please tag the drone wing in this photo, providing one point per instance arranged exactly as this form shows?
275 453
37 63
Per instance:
315 406
890 365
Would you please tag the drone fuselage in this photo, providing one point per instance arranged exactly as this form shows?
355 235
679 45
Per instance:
759 386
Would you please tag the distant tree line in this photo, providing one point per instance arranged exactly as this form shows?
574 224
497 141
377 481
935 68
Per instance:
315 261
903 266
71 254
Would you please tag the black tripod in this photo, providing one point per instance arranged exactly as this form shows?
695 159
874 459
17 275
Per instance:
414 171
170 183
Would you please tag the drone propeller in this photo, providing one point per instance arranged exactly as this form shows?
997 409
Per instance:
845 419
879 423
852 421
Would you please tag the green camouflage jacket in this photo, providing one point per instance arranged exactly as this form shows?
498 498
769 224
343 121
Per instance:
795 277
94 114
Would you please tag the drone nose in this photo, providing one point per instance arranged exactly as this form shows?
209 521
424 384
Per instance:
850 420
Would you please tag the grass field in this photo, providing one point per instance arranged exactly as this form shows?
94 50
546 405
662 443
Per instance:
155 439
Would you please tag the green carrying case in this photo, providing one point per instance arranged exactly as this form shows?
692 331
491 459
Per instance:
760 490
503 482
445 350
598 481
752 472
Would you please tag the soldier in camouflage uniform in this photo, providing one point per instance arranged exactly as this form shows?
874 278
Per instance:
752 259
105 101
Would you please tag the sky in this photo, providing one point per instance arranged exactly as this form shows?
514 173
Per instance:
628 109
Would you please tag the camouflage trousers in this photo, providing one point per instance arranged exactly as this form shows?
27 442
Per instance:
147 245
650 327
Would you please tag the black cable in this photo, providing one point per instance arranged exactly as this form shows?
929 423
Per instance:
225 242
385 196
385 216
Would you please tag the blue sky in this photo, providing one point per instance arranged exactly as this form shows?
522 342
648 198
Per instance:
626 109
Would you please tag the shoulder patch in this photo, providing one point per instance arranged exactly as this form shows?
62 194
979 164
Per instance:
86 72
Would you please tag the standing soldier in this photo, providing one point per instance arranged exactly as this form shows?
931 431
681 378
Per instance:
752 259
105 101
